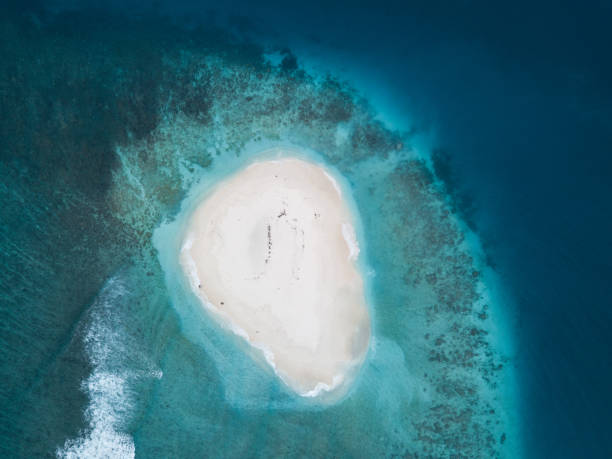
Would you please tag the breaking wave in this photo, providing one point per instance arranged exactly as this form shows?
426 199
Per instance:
117 362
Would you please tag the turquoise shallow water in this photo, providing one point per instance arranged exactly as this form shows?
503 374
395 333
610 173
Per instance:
104 350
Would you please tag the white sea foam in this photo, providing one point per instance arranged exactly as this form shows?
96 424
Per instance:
111 401
194 279
348 232
321 387
334 183
108 399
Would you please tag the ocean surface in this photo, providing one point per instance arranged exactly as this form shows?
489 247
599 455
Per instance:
475 140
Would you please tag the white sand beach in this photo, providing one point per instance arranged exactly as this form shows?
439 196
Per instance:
271 254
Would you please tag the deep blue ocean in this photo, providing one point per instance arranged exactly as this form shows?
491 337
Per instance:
511 104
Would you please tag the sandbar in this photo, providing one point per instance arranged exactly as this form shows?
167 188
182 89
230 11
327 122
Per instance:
271 254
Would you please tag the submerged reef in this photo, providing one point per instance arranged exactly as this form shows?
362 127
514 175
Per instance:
103 135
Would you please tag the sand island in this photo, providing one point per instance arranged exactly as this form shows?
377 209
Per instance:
271 253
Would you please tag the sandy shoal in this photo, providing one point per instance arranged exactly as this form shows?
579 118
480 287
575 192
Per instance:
271 254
